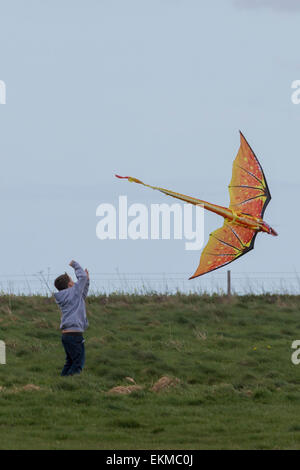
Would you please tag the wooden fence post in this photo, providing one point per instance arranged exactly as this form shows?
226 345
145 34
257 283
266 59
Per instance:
228 283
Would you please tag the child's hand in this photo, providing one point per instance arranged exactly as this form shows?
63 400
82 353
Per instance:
87 273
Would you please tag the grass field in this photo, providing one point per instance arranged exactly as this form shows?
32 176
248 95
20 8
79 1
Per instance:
238 387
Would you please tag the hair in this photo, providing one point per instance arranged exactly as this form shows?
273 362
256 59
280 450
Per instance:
61 282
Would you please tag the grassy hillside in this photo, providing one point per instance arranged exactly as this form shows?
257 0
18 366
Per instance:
238 387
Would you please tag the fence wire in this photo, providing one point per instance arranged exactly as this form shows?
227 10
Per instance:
41 283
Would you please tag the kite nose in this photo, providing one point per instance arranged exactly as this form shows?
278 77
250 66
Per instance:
269 230
273 232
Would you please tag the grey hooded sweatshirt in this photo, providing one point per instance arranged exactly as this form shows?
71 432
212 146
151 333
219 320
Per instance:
71 301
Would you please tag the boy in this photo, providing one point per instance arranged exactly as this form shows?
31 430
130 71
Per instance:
71 300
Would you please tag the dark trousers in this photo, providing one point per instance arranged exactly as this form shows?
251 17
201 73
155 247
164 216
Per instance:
75 354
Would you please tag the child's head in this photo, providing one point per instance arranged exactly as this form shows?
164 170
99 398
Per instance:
63 282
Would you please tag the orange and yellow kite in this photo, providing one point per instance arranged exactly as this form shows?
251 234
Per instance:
243 219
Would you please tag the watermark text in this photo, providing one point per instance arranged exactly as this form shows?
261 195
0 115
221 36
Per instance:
2 92
2 353
137 222
295 97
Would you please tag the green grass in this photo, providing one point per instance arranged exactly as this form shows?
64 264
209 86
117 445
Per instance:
238 390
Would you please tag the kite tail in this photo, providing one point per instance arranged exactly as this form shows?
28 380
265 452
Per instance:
223 211
131 179
182 197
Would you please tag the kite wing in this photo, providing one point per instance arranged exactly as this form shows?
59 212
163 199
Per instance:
248 189
225 245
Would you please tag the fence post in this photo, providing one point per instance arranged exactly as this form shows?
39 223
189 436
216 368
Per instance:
229 283
2 353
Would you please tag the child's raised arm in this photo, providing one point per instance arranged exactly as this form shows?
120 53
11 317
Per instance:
82 276
87 284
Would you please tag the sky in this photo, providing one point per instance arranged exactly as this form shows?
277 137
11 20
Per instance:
154 89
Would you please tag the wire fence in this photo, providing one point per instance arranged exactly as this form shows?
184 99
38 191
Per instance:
107 283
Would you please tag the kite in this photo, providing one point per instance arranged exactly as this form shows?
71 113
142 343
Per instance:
243 219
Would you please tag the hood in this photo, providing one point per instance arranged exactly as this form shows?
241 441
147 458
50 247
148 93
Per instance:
62 296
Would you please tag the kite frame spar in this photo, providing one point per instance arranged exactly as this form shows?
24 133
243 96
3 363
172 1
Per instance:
243 219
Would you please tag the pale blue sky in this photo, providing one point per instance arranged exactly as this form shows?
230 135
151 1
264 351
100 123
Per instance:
154 89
